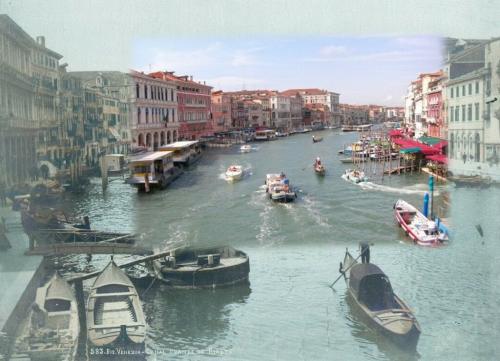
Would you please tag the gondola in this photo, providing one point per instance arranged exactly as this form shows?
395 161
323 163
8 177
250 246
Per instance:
115 320
372 295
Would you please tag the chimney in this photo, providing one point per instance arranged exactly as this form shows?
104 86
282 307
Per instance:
191 77
41 41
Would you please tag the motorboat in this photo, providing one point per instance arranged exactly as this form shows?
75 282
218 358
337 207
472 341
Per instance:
188 267
279 189
246 148
53 327
316 139
418 227
354 176
234 173
370 293
115 319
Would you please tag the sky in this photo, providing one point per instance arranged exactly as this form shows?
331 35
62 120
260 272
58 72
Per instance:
364 70
366 50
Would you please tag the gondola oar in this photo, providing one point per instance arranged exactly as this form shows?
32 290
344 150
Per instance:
343 273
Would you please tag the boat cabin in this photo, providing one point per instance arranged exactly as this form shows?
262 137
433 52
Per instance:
184 152
371 287
265 134
156 167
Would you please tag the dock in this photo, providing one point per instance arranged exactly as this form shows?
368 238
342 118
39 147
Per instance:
61 249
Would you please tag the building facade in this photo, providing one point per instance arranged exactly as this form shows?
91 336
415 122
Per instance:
154 110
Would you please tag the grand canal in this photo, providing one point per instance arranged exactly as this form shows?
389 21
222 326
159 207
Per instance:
288 312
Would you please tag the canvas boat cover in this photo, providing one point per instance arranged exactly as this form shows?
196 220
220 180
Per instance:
112 275
59 289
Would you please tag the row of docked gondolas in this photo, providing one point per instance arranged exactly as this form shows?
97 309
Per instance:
115 322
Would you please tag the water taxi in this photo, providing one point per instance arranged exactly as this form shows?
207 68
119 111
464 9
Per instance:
234 173
265 134
152 170
354 176
246 148
279 189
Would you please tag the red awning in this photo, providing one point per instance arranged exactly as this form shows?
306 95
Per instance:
441 144
410 143
440 158
395 133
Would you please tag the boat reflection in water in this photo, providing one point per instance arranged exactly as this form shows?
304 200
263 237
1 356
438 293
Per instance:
198 319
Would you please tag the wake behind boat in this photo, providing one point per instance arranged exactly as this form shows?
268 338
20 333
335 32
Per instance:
246 148
279 189
418 227
234 173
53 328
355 176
371 294
115 320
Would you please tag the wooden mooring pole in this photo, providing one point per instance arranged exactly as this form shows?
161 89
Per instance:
81 353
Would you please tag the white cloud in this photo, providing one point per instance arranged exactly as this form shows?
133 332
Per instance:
230 82
245 57
333 50
183 60
393 55
388 98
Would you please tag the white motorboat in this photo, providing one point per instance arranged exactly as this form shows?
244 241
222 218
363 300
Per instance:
246 148
418 227
354 176
115 320
234 173
279 188
53 327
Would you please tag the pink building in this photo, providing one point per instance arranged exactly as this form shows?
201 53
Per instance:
194 105
435 124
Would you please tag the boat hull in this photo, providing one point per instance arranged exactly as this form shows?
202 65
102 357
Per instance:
429 242
408 340
283 198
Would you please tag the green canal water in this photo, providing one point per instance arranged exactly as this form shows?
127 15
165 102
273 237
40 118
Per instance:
288 312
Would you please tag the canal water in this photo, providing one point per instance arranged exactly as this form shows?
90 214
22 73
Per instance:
288 312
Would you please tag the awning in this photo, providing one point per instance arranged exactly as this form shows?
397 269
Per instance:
406 143
409 150
395 133
439 158
430 140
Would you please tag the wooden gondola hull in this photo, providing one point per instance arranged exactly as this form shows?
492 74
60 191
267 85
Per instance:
407 340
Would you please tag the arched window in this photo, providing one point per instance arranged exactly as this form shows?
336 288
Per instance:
148 140
138 115
174 136
141 140
147 115
155 141
137 90
477 150
145 91
162 138
168 137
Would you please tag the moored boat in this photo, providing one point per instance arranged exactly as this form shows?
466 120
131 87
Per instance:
246 148
189 267
418 227
115 320
372 295
234 173
53 328
355 176
279 189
